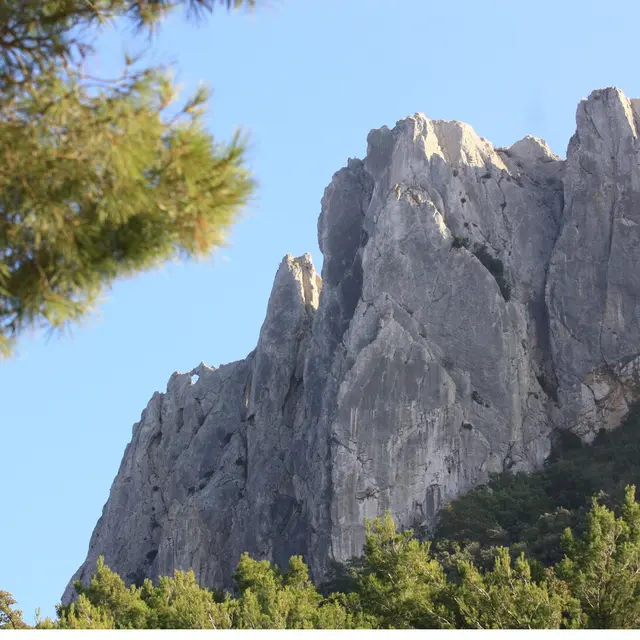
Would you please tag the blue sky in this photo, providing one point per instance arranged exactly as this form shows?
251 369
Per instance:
306 80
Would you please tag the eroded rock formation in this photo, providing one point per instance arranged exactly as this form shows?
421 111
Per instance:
474 300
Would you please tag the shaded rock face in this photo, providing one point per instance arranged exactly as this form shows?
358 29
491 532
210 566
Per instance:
474 300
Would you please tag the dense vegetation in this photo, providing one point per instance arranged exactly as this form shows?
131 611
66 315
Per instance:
525 551
530 512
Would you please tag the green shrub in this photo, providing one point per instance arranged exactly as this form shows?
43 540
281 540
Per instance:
460 242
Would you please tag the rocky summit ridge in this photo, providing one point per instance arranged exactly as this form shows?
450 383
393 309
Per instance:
474 301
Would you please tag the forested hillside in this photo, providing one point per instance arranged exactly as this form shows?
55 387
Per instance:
529 512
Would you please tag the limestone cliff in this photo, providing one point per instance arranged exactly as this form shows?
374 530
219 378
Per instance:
474 300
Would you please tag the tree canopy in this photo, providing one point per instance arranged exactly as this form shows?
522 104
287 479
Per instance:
99 177
530 512
10 618
399 582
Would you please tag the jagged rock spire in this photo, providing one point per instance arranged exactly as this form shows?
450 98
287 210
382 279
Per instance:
474 299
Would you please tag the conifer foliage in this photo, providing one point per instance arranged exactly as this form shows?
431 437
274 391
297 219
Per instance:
10 618
399 582
99 177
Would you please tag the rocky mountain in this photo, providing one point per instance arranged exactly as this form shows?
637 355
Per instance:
474 300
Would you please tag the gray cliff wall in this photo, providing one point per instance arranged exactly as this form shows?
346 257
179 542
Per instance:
473 300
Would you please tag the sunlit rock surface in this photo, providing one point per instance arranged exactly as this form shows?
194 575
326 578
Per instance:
473 301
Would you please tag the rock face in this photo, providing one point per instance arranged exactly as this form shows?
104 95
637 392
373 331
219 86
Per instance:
474 300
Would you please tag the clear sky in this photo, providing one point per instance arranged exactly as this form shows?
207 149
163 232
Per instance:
307 79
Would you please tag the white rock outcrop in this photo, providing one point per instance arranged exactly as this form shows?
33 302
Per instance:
474 300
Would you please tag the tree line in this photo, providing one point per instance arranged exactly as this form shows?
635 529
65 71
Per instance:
399 582
533 550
